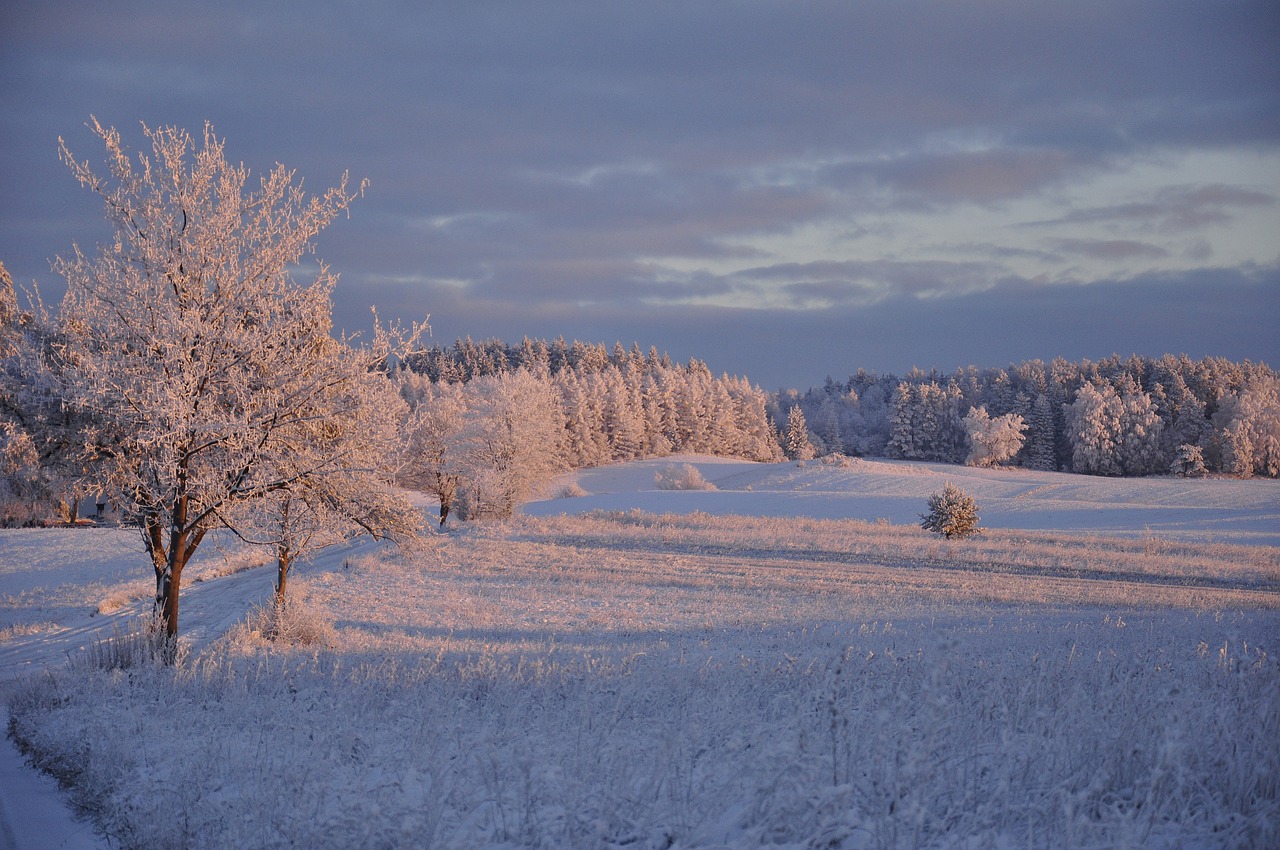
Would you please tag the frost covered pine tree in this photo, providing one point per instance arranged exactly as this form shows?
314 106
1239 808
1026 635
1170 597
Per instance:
797 443
1113 433
1188 462
207 372
1139 442
1094 422
1039 446
952 513
1248 428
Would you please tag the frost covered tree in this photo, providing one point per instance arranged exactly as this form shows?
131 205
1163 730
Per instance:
19 459
208 374
926 422
952 513
1141 431
1093 423
432 461
1248 424
40 432
1189 462
797 443
1039 447
19 476
1113 434
311 512
992 441
510 442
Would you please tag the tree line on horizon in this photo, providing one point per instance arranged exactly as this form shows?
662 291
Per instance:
1129 416
1117 416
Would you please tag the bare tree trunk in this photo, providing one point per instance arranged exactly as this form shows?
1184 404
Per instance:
170 586
169 562
283 560
446 488
169 614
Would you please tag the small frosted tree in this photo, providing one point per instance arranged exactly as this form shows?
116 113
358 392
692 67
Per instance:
311 512
952 513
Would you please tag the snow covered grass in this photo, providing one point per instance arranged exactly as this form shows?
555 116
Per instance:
294 622
133 644
643 680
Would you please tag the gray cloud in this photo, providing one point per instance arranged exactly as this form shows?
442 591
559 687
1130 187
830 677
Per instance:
1175 209
1111 249
977 177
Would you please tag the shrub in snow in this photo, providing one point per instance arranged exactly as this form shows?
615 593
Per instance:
952 513
683 477
571 491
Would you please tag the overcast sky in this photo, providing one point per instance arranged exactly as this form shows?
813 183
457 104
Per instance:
785 190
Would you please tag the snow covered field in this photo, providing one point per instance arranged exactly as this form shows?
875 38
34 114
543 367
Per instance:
782 661
1228 510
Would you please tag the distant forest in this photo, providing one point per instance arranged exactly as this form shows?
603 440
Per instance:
1117 416
611 405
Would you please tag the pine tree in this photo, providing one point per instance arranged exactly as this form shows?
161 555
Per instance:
904 431
952 513
1094 422
1139 442
1248 428
1039 449
1189 462
797 443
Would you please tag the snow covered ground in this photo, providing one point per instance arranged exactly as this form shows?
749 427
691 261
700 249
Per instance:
783 661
